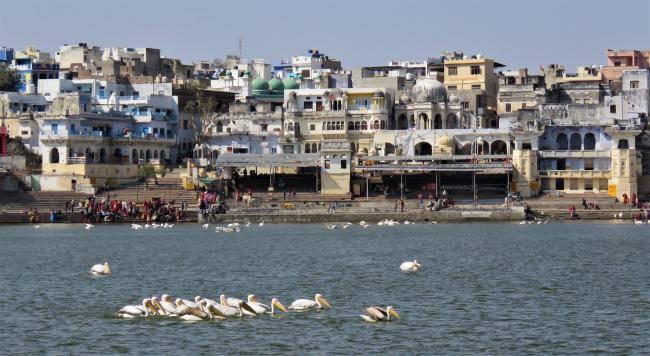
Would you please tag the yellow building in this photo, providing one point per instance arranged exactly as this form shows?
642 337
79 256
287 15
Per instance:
475 73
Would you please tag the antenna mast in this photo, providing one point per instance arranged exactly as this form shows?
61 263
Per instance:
241 46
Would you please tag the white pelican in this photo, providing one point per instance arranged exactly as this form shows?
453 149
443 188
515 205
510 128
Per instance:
101 269
206 226
234 303
132 311
189 313
167 304
89 226
263 308
37 226
410 266
319 302
157 307
262 223
375 314
225 311
193 304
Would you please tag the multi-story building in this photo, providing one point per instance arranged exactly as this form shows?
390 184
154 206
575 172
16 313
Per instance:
619 61
519 90
475 73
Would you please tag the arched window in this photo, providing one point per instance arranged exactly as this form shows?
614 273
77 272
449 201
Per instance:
307 148
590 141
402 123
71 152
499 147
375 125
155 154
357 125
389 149
423 149
437 122
350 126
451 122
329 125
102 156
163 156
118 152
423 121
575 144
142 156
561 142
327 162
54 155
383 125
623 144
134 156
290 129
364 125
352 145
219 126
337 125
147 158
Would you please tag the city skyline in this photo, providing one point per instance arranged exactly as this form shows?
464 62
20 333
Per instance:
370 41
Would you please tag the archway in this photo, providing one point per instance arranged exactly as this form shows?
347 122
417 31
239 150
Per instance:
402 123
499 147
147 156
451 122
70 152
350 126
575 144
383 124
423 149
89 155
364 125
163 156
134 156
590 141
54 155
437 122
423 121
561 142
155 154
314 148
389 148
142 156
102 156
118 153
376 125
307 148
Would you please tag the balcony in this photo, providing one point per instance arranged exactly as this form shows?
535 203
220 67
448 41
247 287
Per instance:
574 154
147 137
552 173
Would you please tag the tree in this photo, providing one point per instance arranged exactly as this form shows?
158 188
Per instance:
202 107
8 78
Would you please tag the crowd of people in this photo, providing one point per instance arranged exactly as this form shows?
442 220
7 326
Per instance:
107 210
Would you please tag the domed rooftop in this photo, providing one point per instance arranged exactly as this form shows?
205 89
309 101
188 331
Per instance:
260 84
290 83
276 84
427 89
445 141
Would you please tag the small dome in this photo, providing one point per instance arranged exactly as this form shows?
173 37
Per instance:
405 99
260 84
445 141
453 99
427 89
276 84
290 83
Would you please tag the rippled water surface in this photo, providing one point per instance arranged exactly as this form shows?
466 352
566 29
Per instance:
483 288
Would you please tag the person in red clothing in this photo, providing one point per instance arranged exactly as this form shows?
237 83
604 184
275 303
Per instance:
625 198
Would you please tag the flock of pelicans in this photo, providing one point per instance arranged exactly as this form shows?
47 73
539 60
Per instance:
363 224
233 308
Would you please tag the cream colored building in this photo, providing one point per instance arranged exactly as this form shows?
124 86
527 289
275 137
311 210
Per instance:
473 73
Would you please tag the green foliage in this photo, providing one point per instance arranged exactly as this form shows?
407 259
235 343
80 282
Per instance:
149 171
8 78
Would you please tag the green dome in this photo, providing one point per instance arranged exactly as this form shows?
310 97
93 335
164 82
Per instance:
276 84
260 84
290 83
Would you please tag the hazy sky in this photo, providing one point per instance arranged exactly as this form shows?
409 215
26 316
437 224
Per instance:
517 33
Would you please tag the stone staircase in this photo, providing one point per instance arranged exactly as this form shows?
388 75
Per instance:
167 188
43 201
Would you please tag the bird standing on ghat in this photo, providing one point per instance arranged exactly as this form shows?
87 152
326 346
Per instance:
410 266
101 269
375 314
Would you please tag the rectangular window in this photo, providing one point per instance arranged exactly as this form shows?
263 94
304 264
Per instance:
523 105
309 105
185 125
634 84
464 105
589 184
452 87
475 70
612 109
264 127
589 164
476 86
452 71
312 127
319 105
573 184
508 107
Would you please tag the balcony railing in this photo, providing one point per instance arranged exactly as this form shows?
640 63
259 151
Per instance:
573 154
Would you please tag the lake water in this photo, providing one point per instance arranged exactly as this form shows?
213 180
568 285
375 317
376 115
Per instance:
483 288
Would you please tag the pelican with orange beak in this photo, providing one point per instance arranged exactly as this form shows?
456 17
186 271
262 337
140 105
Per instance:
101 269
319 302
263 308
375 314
